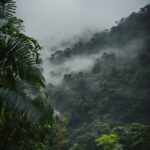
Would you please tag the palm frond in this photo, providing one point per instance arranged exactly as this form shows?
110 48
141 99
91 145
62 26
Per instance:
18 56
13 26
16 103
35 94
7 9
38 98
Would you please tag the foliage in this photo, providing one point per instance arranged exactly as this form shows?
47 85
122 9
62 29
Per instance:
16 132
115 91
108 141
134 137
26 118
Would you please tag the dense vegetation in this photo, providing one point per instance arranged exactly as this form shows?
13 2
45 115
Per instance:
108 107
25 114
104 108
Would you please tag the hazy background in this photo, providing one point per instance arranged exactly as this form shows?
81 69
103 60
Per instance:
54 21
51 21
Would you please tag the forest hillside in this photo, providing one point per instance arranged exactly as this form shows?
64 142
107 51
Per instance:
112 97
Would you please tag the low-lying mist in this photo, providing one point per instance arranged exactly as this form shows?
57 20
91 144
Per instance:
54 72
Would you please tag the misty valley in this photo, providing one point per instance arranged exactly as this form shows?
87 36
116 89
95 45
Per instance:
92 94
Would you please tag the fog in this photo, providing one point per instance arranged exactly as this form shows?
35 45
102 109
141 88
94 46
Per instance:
54 72
59 23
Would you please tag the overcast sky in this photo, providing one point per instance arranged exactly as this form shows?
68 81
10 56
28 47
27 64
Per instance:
51 21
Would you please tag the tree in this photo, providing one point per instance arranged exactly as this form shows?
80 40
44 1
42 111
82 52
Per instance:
24 106
20 74
109 142
134 137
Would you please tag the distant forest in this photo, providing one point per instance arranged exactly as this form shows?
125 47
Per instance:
108 107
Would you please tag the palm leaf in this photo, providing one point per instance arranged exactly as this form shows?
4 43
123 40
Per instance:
17 55
16 103
7 9
38 97
13 26
28 100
